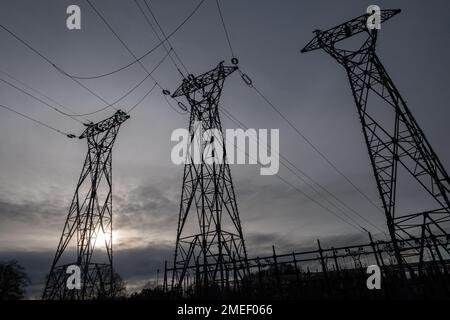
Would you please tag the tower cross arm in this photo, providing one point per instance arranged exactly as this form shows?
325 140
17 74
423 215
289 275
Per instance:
93 129
193 84
344 30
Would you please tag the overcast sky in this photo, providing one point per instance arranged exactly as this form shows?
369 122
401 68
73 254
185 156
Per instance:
39 168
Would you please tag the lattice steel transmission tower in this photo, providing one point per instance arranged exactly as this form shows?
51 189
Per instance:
89 219
209 245
394 140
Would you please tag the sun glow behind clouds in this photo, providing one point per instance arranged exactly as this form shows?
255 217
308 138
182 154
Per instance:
103 239
124 239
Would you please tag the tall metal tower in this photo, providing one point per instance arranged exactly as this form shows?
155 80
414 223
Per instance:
394 139
89 220
210 244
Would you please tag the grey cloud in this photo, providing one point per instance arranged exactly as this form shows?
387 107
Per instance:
29 211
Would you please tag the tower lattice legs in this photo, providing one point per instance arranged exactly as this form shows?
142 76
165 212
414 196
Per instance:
210 250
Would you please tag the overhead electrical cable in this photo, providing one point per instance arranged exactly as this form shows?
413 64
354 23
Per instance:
37 121
129 91
230 116
165 36
227 35
39 99
249 82
107 104
167 48
137 59
41 94
304 194
51 63
128 49
142 99
311 144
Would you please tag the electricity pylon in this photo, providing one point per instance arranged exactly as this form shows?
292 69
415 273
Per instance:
394 139
209 244
89 219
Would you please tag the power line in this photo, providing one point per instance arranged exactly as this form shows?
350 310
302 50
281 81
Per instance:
37 121
27 45
164 34
309 142
159 37
40 93
171 48
142 99
250 84
127 47
240 123
357 227
225 29
136 59
129 91
50 62
352 224
40 100
108 105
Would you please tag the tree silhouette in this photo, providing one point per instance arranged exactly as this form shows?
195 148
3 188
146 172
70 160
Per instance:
13 280
119 287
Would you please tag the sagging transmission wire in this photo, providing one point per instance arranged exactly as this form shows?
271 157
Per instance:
129 91
45 58
136 59
40 100
109 26
25 43
304 177
164 34
166 93
73 115
37 121
142 99
248 81
167 48
225 29
41 94
351 223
